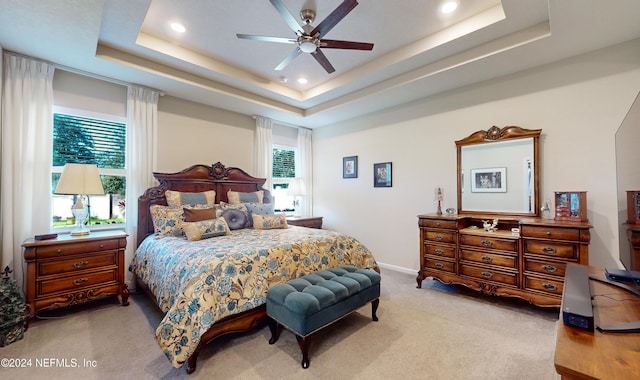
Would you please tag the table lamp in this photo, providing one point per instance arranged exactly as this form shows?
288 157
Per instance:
296 189
81 180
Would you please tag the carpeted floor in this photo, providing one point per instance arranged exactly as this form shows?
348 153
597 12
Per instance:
437 332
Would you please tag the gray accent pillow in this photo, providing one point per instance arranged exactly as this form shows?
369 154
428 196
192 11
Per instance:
235 218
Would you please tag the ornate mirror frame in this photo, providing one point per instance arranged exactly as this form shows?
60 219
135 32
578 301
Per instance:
500 138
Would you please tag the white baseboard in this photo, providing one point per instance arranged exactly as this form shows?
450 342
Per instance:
398 269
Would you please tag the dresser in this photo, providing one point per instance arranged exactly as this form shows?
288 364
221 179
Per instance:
305 221
524 257
71 270
633 235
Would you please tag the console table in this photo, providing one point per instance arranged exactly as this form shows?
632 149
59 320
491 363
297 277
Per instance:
583 354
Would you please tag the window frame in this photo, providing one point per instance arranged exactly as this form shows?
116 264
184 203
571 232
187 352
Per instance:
70 111
284 180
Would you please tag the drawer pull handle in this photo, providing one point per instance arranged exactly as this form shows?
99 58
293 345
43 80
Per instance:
487 274
439 265
439 252
59 251
549 268
101 246
81 281
439 237
548 250
487 259
550 287
486 243
80 264
438 224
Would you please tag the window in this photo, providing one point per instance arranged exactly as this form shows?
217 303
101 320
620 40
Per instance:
284 169
90 140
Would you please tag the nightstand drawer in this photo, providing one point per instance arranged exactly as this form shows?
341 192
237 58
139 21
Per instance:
77 281
57 250
78 263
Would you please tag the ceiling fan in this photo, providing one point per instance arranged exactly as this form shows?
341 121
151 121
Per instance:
310 39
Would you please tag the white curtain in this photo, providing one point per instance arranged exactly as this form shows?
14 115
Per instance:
142 142
263 151
305 169
27 133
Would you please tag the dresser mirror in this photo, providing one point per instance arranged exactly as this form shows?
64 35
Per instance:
498 172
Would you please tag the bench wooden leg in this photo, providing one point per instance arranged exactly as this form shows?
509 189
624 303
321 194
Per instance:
275 328
374 308
304 343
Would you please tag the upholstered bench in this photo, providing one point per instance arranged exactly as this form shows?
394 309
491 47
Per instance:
306 304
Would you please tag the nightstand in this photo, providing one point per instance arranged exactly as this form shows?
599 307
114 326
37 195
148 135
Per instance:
71 270
305 221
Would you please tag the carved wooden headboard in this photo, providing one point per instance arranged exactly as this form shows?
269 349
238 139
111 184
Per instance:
197 178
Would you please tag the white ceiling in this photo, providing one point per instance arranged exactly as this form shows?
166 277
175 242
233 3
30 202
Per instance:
418 51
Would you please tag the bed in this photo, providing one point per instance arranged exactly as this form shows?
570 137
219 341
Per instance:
213 286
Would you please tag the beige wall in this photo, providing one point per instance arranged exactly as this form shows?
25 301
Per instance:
578 103
191 133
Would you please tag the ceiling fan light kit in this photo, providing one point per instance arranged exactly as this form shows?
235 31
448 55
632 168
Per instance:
309 38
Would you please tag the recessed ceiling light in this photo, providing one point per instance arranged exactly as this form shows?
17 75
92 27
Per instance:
302 80
449 6
178 27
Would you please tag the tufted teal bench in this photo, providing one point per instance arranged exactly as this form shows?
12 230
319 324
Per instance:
306 304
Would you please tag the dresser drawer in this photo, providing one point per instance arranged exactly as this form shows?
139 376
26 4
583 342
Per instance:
552 268
441 251
489 258
572 234
442 265
77 263
441 236
544 285
435 223
57 250
489 275
551 249
78 281
489 242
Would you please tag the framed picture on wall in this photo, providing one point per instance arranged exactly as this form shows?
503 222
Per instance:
382 174
491 180
350 167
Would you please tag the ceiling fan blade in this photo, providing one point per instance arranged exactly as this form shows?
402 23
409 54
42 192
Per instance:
288 60
338 14
323 61
337 44
287 16
281 40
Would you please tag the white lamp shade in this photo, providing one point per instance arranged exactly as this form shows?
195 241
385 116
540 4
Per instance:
80 179
296 187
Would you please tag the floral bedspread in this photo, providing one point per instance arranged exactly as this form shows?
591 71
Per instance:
197 283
